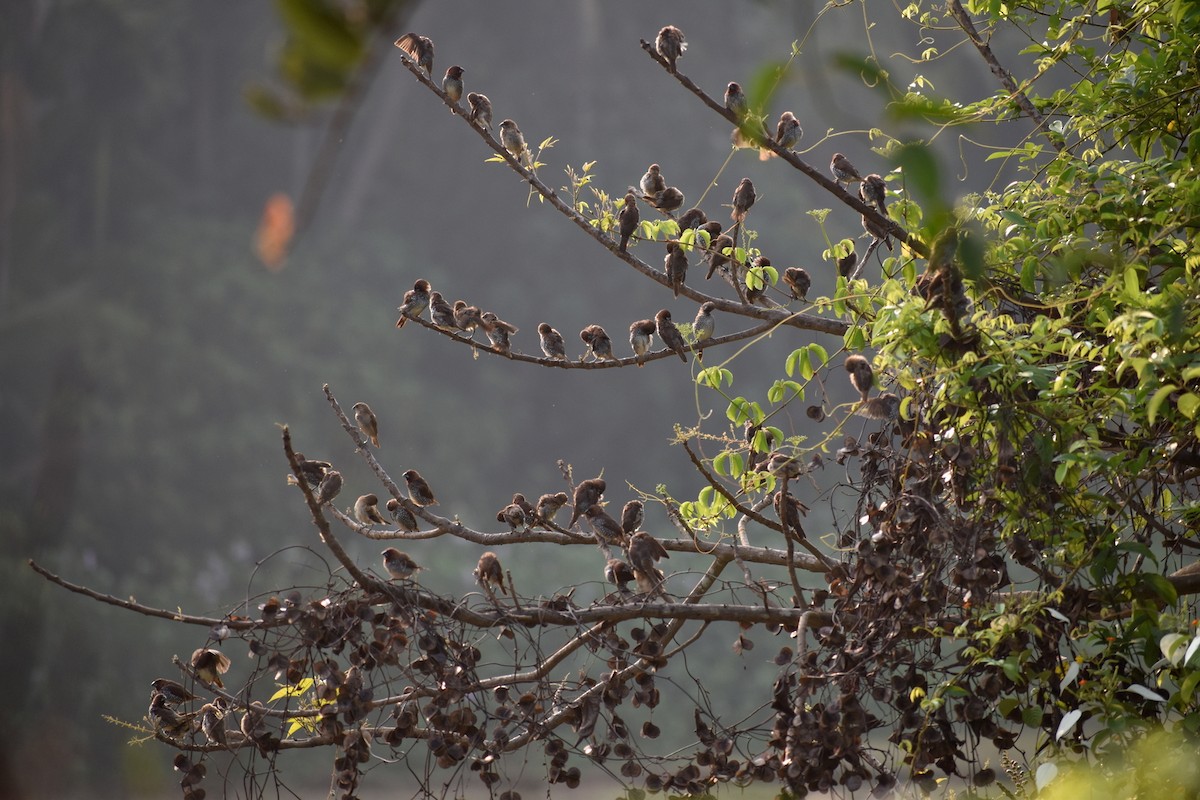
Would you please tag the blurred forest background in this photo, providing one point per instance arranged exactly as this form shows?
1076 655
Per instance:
146 355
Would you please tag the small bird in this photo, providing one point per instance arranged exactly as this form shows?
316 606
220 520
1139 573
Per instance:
668 200
329 487
862 377
692 218
843 171
418 489
877 231
399 564
168 721
498 331
587 494
420 48
599 346
552 343
675 266
735 100
514 142
628 219
416 300
513 516
639 339
669 334
481 110
787 132
752 132
548 505
652 182
743 198
632 515
794 510
489 573
785 466
452 83
366 510
172 691
212 722
210 665
525 505
254 727
405 520
712 228
874 191
847 263
367 422
617 572
441 312
716 254
704 325
759 295
312 469
643 552
798 282
606 528
467 318
885 406
670 45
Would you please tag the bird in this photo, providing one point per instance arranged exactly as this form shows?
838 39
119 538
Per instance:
643 552
798 282
759 294
525 505
668 200
606 528
847 263
877 231
548 505
212 722
254 727
552 343
692 218
617 572
704 325
752 132
498 331
366 510
173 691
669 334
587 494
452 83
481 110
785 466
420 48
632 515
639 339
598 343
466 318
405 520
210 665
735 100
441 312
652 182
329 487
399 564
787 505
885 406
716 255
874 191
418 489
416 300
489 573
675 266
843 171
787 132
312 469
513 516
670 45
367 422
743 199
628 219
862 377
168 721
514 142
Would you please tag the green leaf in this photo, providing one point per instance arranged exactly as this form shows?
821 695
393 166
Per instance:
1188 404
1157 400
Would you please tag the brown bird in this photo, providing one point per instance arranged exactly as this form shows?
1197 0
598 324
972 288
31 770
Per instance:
617 572
416 300
632 515
587 494
758 295
418 489
885 406
405 519
735 100
712 228
513 516
785 466
209 665
877 231
481 110
644 551
599 346
675 266
716 256
652 182
168 721
173 691
514 142
212 722
669 334
794 509
367 423
330 485
419 48
670 45
254 727
466 318
843 171
552 343
704 326
628 219
606 528
498 331
399 564
312 470
692 218
874 191
798 282
366 510
847 263
441 312
787 134
743 198
525 505
639 339
548 505
489 573
452 83
668 200
862 377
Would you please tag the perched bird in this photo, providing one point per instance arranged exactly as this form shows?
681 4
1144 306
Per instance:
862 377
652 182
498 331
416 300
168 721
441 312
617 572
758 294
552 343
525 505
405 520
366 510
254 727
716 254
598 343
513 516
735 100
668 200
419 48
885 406
643 552
752 132
452 83
787 505
367 422
675 266
632 515
877 231
628 219
172 691
703 326
798 282
548 505
587 494
712 228
670 45
514 142
847 263
210 665
466 318
843 171
212 722
785 466
418 489
692 218
481 110
399 564
606 528
312 469
874 191
743 199
669 334
329 487
489 573
787 132
639 339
